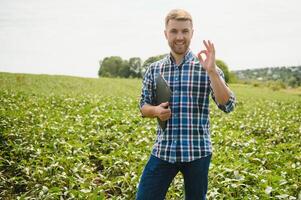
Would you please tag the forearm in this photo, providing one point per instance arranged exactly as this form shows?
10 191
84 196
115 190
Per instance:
221 91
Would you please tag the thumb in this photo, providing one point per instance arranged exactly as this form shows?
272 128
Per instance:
165 104
200 56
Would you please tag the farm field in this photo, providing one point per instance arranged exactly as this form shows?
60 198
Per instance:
65 137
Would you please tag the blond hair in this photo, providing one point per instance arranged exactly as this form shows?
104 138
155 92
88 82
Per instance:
178 14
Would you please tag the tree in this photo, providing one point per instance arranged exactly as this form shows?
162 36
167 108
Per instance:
150 60
232 77
223 66
99 71
293 81
124 70
110 66
135 65
115 66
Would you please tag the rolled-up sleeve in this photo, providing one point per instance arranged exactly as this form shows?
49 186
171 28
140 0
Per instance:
229 106
147 88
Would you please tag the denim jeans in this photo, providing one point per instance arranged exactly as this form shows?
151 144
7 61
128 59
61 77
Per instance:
158 175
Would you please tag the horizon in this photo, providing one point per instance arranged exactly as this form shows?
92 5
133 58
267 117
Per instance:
79 76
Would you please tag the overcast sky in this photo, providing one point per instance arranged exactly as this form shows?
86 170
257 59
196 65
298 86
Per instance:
70 36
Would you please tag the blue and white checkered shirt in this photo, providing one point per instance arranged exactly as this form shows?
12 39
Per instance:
187 135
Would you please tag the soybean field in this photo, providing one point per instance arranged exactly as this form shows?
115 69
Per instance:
64 137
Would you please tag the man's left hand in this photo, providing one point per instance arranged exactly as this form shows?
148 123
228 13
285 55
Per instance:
209 62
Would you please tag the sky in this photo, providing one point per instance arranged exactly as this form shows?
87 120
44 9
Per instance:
69 37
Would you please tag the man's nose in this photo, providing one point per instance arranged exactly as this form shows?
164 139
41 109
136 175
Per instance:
180 36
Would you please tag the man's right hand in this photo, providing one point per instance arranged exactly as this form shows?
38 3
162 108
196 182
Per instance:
163 112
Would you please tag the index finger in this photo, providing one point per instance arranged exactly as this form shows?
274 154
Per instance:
206 45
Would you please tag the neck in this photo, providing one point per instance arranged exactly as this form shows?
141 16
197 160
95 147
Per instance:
178 57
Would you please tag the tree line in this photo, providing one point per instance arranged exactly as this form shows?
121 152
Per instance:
115 66
288 76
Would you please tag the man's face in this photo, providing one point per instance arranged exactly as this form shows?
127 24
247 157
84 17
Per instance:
178 34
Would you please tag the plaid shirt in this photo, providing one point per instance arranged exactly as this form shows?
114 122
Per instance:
187 135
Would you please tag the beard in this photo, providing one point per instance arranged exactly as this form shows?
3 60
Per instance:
179 48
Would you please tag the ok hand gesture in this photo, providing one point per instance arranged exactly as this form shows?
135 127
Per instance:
209 62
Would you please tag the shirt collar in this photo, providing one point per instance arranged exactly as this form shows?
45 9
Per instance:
188 56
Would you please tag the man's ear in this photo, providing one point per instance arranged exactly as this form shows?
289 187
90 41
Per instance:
192 33
165 33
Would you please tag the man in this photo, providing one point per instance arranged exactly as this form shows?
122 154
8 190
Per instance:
185 143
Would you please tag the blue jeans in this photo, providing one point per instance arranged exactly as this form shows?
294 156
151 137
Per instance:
158 175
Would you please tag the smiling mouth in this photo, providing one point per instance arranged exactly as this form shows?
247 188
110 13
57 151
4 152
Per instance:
180 44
